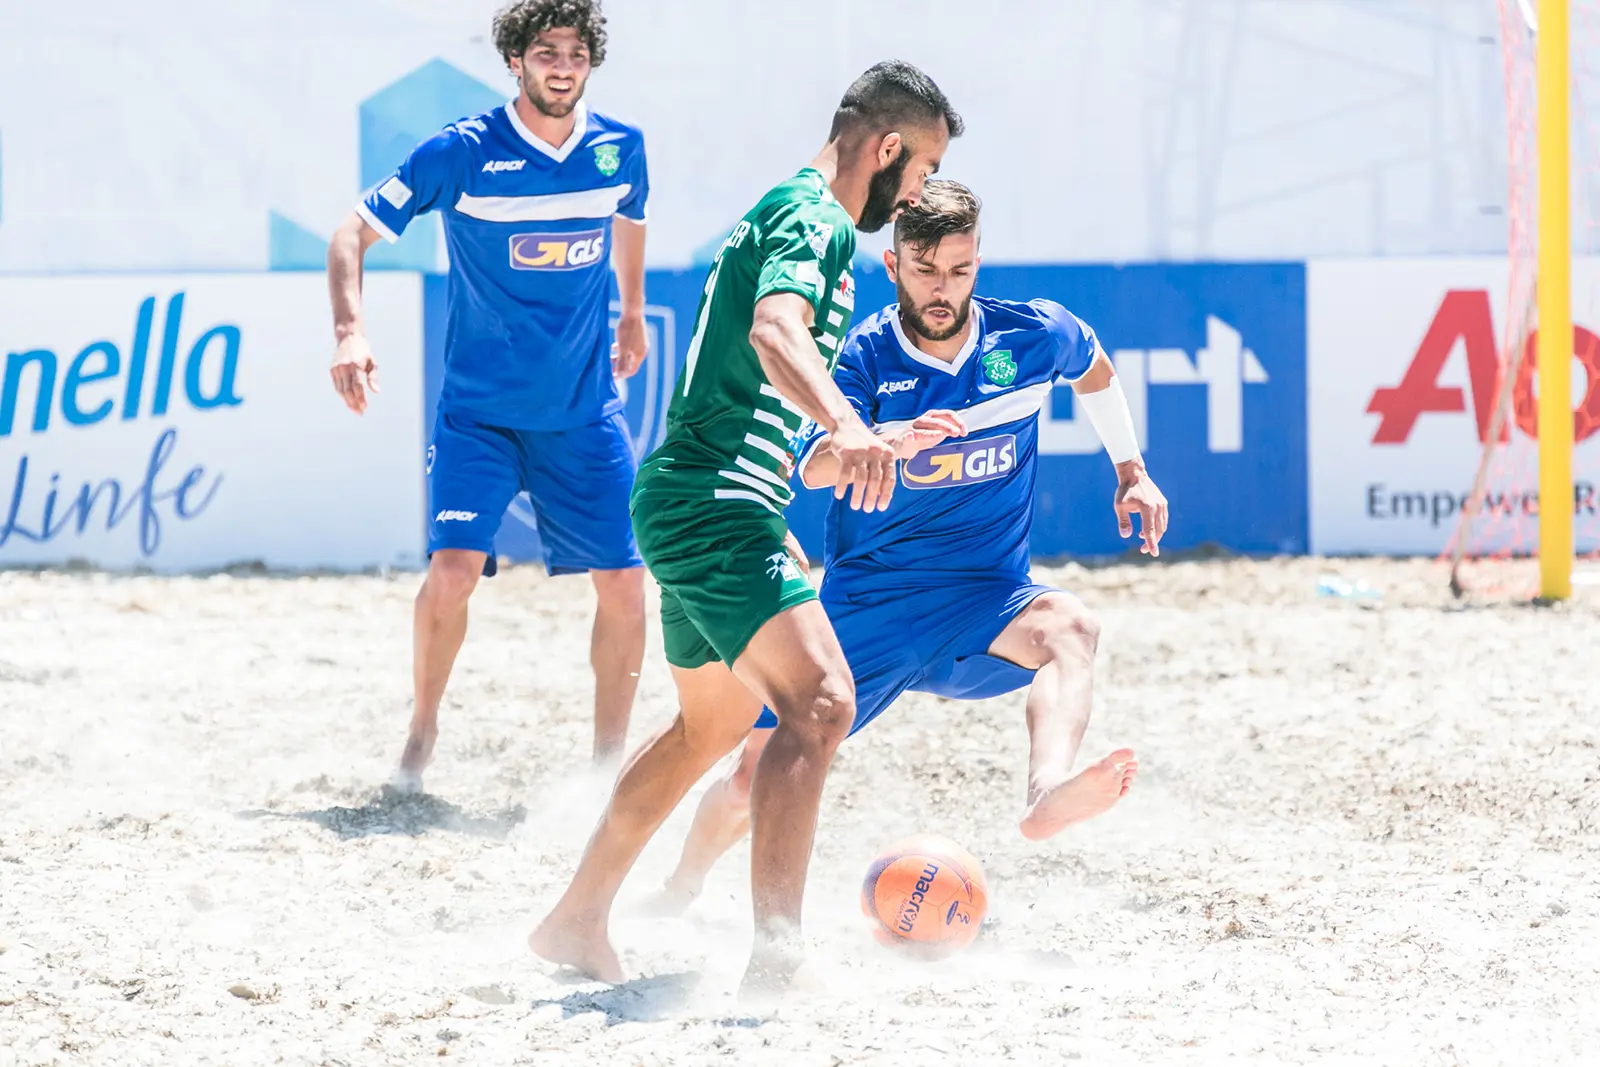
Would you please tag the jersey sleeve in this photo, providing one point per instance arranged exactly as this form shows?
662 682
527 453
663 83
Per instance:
431 176
638 172
1077 347
854 378
804 251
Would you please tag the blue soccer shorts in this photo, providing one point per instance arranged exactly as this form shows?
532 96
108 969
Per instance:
578 481
924 638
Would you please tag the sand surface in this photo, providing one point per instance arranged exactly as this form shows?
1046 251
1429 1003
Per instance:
1360 834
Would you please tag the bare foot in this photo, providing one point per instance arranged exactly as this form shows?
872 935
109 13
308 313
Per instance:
407 782
417 755
774 965
1090 792
582 945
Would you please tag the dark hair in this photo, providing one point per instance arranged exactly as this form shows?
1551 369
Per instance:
518 23
945 208
893 93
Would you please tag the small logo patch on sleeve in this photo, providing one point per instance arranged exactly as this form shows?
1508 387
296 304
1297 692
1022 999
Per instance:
396 192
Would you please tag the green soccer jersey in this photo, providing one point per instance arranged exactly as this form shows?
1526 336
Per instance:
730 434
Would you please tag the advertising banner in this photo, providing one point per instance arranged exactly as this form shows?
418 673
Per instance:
179 423
1403 358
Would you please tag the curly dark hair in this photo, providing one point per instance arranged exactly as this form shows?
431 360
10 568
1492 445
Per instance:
518 23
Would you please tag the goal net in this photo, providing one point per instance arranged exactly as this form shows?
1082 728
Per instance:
1493 547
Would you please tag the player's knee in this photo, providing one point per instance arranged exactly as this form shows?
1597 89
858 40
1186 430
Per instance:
708 737
740 781
744 771
452 576
620 592
822 718
1065 627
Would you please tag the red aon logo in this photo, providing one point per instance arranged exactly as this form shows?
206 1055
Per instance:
1464 316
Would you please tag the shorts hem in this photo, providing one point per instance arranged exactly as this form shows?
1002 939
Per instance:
1034 593
731 654
556 568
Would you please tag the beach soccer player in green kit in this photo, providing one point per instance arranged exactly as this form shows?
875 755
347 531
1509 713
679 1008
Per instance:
738 615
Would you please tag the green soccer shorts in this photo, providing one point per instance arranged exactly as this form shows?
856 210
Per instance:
723 571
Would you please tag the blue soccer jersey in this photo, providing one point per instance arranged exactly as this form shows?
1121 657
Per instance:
528 229
966 506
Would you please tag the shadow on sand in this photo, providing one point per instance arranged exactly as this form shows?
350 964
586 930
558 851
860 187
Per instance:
643 1000
408 814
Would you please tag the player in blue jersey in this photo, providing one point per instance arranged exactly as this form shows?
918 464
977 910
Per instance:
536 196
933 594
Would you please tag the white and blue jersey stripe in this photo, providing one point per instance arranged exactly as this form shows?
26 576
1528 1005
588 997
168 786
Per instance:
966 506
528 230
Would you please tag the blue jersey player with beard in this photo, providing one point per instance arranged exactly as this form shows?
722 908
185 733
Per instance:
538 197
955 383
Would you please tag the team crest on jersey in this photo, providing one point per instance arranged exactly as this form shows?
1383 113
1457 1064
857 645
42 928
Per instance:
999 367
607 158
818 234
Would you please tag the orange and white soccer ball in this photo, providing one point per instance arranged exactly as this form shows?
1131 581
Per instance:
927 893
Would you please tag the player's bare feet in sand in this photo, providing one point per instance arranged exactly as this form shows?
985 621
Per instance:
581 944
414 760
1090 792
775 971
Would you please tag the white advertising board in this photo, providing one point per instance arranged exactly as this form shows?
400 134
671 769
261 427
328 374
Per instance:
177 422
1402 365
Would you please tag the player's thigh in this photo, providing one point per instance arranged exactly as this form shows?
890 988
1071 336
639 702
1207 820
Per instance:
578 481
473 473
1052 625
716 708
882 663
794 662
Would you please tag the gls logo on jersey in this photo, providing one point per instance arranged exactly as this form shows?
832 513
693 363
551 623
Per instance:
961 463
557 251
1464 317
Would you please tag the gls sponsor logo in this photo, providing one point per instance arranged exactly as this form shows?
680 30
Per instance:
1464 318
101 379
961 463
500 166
557 251
1224 367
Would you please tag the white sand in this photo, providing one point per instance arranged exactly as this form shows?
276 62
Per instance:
1358 835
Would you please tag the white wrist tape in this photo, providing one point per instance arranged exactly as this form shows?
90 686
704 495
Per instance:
1108 412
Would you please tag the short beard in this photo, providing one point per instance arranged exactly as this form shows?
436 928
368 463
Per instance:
881 192
553 110
918 324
